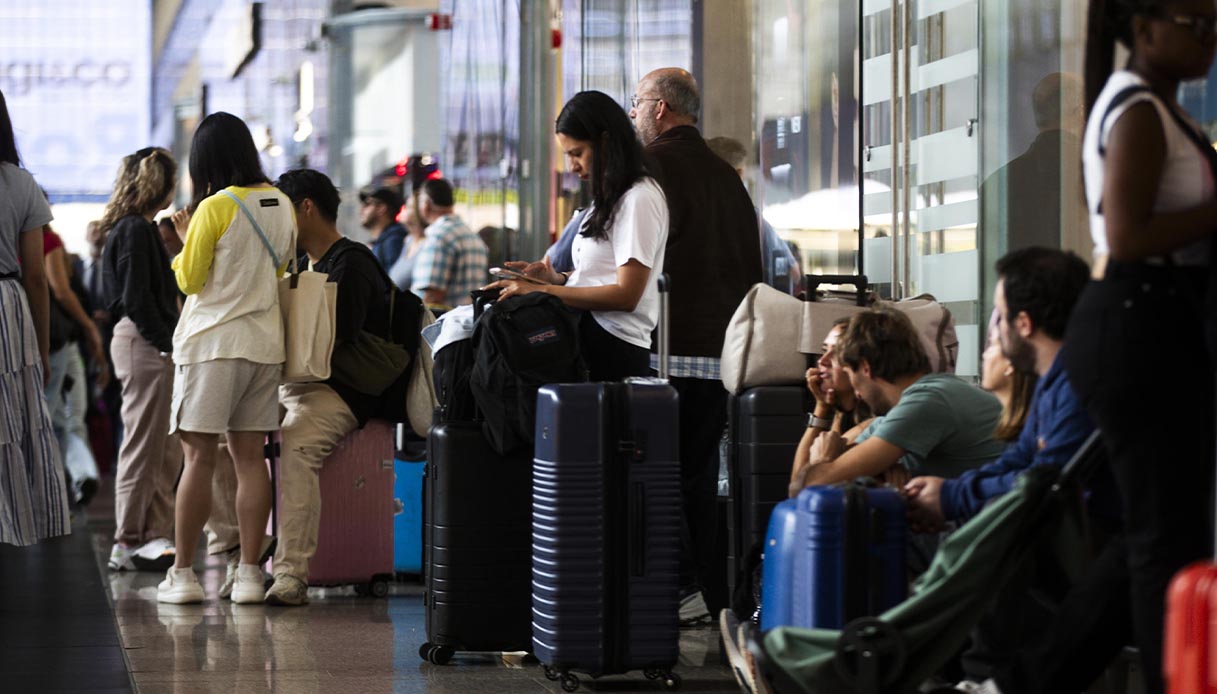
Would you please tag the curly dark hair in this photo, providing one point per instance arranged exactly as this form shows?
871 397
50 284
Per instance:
1045 283
886 339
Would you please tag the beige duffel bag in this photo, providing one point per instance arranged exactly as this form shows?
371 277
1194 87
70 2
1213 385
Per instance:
761 346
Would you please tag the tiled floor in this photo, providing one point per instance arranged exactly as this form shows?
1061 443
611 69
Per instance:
339 643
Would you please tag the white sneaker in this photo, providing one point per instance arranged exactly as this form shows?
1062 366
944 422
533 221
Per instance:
120 558
180 587
269 543
249 586
693 610
154 555
733 635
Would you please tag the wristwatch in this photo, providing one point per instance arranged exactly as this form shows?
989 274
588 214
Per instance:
814 422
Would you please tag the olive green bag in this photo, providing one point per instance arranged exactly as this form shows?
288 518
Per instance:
370 363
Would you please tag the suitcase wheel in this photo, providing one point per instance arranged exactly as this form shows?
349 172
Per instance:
436 655
551 674
569 682
379 588
870 654
671 680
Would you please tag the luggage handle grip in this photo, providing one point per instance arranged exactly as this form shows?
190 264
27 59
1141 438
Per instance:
636 512
859 282
665 347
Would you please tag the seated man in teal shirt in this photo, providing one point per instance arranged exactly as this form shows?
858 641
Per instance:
930 423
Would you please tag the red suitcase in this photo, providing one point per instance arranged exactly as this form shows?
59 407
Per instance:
355 541
1190 651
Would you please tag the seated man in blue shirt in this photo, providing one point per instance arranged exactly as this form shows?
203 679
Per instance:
1035 292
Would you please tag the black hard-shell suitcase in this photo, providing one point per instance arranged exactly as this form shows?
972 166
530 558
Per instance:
477 533
606 527
764 426
477 558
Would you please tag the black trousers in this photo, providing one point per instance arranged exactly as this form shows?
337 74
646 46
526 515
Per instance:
608 357
703 416
1135 355
1092 626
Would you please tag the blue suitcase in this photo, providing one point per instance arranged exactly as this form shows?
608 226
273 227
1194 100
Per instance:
408 517
606 531
832 554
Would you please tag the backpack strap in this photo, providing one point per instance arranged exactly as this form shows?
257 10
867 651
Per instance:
1116 102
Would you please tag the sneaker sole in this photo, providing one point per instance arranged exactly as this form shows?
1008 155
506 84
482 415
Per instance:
735 658
181 598
247 598
161 563
275 600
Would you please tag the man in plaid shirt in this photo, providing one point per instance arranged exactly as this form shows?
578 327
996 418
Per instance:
452 261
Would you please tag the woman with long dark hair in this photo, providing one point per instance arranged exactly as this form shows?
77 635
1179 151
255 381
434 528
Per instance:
1150 173
620 247
141 296
33 492
238 233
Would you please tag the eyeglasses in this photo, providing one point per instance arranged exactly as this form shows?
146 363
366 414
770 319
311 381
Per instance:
1202 27
635 100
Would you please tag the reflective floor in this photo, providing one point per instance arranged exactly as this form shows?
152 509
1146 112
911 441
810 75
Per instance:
339 643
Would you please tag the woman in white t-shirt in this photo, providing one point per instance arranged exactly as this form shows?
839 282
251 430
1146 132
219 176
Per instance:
1150 188
239 234
620 247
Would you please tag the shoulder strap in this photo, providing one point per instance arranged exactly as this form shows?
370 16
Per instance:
257 227
384 276
1116 101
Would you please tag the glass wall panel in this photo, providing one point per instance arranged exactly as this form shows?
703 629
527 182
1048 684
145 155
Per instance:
480 59
1032 116
608 45
807 124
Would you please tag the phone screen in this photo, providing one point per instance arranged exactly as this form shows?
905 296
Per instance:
504 273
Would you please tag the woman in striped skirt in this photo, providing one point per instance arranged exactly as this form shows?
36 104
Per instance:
33 495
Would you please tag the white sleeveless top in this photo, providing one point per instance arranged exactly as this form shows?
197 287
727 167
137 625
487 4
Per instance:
1187 180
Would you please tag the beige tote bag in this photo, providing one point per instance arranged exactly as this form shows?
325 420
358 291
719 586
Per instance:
761 346
307 301
421 399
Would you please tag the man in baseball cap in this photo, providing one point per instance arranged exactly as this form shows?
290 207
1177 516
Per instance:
378 214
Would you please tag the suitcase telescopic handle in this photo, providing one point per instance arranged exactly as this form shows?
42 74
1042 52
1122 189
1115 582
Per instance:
665 347
859 282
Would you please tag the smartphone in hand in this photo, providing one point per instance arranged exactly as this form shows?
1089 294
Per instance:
505 274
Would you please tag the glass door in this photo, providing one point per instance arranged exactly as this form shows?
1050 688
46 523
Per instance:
920 156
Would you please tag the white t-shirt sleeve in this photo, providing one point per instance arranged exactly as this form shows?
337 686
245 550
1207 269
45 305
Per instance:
640 225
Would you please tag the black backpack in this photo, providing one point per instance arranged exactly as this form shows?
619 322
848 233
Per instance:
520 344
453 365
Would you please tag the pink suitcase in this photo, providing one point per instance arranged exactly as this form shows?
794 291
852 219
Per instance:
355 542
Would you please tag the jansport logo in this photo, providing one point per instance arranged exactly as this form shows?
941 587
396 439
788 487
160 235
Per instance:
542 336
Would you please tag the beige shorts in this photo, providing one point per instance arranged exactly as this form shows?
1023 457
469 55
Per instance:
225 395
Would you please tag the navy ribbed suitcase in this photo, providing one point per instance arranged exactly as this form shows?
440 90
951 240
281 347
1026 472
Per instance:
606 531
833 554
478 522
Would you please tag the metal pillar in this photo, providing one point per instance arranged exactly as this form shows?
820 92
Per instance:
537 89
